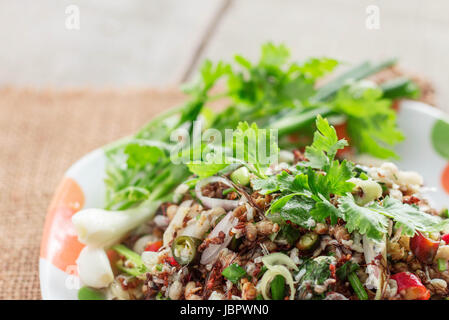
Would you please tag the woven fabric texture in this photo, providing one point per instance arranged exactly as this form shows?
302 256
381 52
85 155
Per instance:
42 133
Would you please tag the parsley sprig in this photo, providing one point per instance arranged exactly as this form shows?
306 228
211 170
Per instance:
309 194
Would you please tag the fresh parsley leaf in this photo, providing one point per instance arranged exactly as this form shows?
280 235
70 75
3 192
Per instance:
254 146
234 273
206 170
281 182
410 218
315 68
362 219
373 219
295 208
324 209
325 145
289 233
316 271
334 181
140 155
371 122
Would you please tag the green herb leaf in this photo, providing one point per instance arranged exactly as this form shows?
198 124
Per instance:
295 208
325 145
363 219
234 273
409 217
371 122
138 265
140 155
324 209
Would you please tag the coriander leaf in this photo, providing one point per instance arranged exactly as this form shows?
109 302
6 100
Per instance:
234 273
281 182
315 271
363 219
324 209
373 220
315 68
371 122
273 55
214 163
325 145
204 170
295 208
334 181
267 185
409 218
338 175
140 155
289 233
256 147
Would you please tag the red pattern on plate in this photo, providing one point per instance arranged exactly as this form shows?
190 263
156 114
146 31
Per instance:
445 179
60 245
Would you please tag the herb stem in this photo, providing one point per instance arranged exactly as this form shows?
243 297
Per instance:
357 286
442 265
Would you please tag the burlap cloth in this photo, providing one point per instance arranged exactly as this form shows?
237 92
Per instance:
41 134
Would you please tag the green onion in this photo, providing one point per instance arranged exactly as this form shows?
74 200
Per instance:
182 245
234 273
240 176
293 122
442 265
227 191
357 286
277 287
138 265
400 88
261 272
363 176
86 293
359 72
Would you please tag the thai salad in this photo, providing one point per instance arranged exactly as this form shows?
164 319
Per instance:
286 193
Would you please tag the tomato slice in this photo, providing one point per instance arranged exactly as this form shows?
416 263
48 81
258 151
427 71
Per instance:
445 238
153 246
424 248
410 287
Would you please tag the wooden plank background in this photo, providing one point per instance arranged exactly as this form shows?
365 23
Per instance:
142 43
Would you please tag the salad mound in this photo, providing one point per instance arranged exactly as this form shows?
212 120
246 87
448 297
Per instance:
313 227
302 219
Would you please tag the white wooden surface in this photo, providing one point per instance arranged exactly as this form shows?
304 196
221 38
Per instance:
119 43
159 43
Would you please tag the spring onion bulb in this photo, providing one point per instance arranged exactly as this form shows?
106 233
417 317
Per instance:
94 268
102 228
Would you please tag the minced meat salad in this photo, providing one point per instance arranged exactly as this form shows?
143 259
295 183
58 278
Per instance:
307 226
